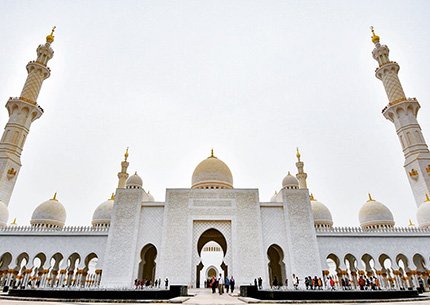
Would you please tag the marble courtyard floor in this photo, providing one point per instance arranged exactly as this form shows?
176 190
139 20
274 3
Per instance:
205 297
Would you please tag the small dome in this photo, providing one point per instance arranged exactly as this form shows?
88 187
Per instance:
423 213
374 214
134 182
212 173
290 182
150 197
321 214
102 215
51 214
4 214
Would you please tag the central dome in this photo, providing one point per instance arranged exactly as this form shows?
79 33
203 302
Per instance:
212 173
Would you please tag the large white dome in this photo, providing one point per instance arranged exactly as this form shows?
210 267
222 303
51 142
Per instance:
212 173
51 214
4 214
290 182
374 214
102 215
423 213
321 214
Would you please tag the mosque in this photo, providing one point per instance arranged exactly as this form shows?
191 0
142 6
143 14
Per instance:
212 227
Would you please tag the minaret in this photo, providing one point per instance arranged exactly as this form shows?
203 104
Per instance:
23 111
123 175
301 175
402 111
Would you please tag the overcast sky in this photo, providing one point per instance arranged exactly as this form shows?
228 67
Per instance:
251 79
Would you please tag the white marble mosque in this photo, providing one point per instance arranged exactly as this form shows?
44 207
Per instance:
219 228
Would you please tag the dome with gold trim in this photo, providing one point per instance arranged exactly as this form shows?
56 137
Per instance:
321 214
423 213
103 213
49 214
373 215
212 173
4 214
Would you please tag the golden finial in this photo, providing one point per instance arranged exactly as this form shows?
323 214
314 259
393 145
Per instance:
411 224
55 197
298 154
50 37
312 198
126 154
370 197
13 222
375 38
112 197
212 153
427 198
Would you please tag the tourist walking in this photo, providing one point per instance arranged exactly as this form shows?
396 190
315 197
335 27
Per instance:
232 284
260 283
220 284
166 283
213 284
227 284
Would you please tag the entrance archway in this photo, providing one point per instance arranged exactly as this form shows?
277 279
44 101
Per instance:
211 235
147 264
276 264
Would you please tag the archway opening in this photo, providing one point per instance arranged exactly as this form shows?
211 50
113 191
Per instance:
211 248
147 264
276 265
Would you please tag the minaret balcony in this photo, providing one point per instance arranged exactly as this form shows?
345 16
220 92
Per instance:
413 173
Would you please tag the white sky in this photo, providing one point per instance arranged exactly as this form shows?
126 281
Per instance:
251 79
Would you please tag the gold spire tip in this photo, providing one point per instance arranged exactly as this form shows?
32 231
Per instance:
112 197
13 222
370 197
298 154
375 38
55 197
212 153
427 198
312 198
126 154
50 37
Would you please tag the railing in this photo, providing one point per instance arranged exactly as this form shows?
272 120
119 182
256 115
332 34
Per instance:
70 229
361 231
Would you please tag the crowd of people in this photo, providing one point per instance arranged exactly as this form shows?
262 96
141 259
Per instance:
143 283
222 284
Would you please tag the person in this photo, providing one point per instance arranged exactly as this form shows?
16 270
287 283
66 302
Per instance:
220 284
255 283
295 281
286 283
156 283
421 283
166 283
275 283
213 284
361 283
136 282
227 284
260 283
320 284
331 283
232 284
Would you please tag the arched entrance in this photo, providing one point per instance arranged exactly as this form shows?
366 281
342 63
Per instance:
147 264
276 264
218 239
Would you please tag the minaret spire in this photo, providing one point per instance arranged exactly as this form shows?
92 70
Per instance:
301 175
123 175
23 111
402 111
